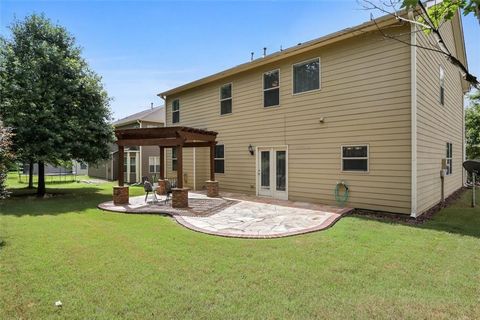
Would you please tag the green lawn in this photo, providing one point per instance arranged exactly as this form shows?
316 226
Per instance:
104 265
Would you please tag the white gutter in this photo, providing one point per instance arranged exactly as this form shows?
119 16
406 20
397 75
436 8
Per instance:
413 111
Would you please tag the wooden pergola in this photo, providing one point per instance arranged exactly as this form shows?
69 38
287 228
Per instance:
166 137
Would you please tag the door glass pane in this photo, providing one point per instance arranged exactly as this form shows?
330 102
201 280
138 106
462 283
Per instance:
265 168
281 165
132 164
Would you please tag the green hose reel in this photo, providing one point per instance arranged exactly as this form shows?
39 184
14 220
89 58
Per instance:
341 199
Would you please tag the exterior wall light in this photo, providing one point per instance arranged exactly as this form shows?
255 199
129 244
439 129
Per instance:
250 149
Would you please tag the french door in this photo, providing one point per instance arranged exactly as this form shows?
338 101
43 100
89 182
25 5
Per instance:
272 172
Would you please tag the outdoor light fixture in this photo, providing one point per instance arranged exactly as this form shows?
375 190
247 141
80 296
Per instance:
250 149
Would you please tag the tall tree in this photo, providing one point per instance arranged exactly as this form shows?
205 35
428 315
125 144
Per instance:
428 19
54 102
472 126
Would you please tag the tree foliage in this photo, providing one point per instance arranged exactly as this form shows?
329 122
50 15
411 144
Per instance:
429 17
472 126
445 10
54 102
6 158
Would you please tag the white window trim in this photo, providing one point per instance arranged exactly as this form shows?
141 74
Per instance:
215 158
171 163
179 120
319 76
156 162
220 99
353 158
278 87
451 159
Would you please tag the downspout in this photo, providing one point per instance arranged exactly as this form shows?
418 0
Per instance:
413 111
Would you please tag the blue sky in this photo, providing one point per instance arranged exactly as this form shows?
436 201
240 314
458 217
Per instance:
141 48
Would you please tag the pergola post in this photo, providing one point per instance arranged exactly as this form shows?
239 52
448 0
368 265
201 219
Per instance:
121 165
120 192
212 162
180 194
162 163
212 185
179 166
162 189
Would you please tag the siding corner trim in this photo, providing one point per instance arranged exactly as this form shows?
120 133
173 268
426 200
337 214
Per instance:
413 67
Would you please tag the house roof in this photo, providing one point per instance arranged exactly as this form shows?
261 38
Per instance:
151 115
317 43
295 50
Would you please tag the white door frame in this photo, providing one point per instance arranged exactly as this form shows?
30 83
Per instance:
275 194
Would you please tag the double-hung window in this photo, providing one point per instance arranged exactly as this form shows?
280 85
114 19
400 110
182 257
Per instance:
355 158
219 158
271 88
449 159
306 76
226 99
176 111
154 164
174 159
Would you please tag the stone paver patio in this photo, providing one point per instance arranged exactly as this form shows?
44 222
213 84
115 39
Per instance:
239 216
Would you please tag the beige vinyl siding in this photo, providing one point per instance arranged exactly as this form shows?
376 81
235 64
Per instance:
437 124
364 99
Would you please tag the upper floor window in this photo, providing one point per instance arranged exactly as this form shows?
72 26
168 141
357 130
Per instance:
271 88
306 76
442 86
174 159
153 164
219 158
175 111
226 99
449 159
355 158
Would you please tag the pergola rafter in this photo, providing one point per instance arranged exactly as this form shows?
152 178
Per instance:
167 137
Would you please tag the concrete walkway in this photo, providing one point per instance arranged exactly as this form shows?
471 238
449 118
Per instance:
239 217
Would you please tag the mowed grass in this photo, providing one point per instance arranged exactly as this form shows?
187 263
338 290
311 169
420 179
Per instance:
104 265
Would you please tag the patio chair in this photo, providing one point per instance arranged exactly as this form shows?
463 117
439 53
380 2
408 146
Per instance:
147 186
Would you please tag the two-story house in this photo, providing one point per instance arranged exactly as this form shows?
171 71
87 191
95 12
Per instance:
384 117
138 161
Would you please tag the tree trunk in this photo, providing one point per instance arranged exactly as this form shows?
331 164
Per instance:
30 175
41 179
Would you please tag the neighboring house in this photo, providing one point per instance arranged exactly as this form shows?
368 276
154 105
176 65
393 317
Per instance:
352 106
139 161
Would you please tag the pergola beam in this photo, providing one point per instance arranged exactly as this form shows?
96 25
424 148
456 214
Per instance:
165 142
